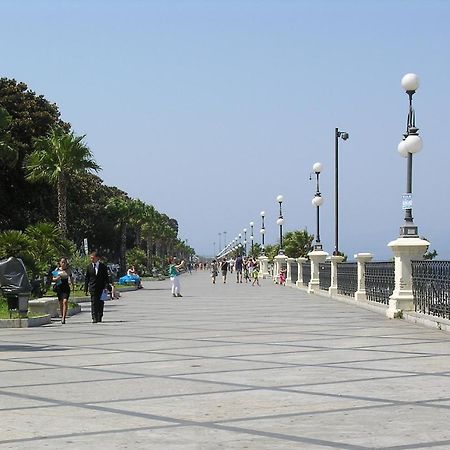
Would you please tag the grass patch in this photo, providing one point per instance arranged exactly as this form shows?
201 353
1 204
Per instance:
4 311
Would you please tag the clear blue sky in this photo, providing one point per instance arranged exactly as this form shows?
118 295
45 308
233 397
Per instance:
210 109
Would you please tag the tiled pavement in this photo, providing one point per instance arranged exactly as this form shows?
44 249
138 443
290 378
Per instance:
225 367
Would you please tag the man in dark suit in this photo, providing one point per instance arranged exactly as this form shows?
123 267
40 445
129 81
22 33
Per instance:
97 279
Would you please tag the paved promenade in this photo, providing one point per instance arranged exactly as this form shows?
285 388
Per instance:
225 367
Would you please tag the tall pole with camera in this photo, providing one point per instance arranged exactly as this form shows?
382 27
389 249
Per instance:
338 134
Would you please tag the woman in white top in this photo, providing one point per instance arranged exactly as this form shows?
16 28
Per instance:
61 276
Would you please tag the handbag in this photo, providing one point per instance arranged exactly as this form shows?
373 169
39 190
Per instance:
105 295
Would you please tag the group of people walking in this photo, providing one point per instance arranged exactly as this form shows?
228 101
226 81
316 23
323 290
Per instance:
97 282
246 269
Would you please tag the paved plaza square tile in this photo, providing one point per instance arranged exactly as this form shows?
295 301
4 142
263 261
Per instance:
226 368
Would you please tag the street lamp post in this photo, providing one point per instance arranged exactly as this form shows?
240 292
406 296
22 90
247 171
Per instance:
280 222
220 242
343 135
408 246
317 202
263 230
251 234
411 143
245 241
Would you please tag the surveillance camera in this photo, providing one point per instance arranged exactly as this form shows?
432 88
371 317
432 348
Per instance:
344 136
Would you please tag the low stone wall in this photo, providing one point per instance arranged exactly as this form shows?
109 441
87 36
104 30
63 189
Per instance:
26 323
44 306
35 306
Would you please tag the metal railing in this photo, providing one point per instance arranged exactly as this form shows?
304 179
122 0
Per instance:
306 271
294 273
347 278
324 275
380 281
431 286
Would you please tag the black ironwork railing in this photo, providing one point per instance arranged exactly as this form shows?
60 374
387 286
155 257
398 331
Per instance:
306 272
347 278
380 281
324 275
294 272
431 286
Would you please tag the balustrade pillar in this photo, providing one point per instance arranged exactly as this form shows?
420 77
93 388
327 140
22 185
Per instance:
264 266
332 290
316 257
362 259
405 249
300 261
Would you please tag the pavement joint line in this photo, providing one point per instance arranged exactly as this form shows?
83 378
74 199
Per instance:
412 347
240 385
419 445
279 365
184 422
86 433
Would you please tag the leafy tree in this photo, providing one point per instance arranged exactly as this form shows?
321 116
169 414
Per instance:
121 210
271 251
137 220
87 214
430 255
39 247
8 155
256 251
32 132
57 156
47 246
297 243
149 232
16 243
138 259
31 116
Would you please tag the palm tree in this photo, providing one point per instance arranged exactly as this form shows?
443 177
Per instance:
48 245
138 219
56 157
297 243
16 243
121 209
149 232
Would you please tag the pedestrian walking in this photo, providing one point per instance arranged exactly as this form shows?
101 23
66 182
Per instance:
224 269
255 272
96 281
61 277
238 264
214 271
247 270
174 274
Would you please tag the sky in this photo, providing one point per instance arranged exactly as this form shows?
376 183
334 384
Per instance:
209 109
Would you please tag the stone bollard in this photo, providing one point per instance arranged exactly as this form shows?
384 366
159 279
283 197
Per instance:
405 249
316 257
362 259
300 261
264 266
332 290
